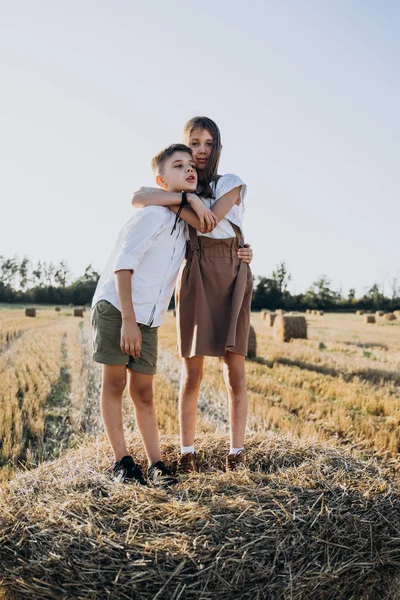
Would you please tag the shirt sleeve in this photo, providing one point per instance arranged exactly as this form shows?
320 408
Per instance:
137 237
229 182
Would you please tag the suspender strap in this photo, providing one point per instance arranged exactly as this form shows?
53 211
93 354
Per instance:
194 242
238 233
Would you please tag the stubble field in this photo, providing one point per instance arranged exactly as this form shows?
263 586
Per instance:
341 385
314 514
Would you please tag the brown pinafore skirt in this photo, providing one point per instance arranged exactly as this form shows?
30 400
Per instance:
213 297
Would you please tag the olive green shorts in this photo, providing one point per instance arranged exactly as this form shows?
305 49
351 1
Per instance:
106 325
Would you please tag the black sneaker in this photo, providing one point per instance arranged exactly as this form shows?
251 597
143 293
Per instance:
127 471
159 475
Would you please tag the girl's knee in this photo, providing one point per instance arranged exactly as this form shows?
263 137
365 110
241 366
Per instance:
192 378
235 378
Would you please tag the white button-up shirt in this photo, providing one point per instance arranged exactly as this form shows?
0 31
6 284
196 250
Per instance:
145 246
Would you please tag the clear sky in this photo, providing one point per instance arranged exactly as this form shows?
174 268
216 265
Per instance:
306 94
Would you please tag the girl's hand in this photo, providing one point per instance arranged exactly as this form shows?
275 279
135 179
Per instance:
245 254
208 221
131 338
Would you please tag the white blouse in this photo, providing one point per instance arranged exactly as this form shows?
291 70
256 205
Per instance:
225 184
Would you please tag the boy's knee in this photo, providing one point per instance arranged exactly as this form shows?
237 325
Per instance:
142 395
115 386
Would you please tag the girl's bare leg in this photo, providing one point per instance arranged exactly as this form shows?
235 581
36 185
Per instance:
191 377
112 388
235 381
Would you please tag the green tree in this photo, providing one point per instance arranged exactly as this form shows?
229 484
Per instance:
24 272
282 277
62 273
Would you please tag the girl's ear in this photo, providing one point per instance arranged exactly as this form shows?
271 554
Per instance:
161 182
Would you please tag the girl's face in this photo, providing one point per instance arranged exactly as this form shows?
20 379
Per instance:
201 143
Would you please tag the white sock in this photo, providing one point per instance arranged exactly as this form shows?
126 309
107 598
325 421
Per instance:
187 449
235 450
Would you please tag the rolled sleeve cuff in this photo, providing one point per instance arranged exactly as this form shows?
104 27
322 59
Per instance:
125 263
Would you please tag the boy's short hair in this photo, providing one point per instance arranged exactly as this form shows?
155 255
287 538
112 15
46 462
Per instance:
158 162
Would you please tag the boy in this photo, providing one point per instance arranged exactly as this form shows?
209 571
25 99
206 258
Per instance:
131 297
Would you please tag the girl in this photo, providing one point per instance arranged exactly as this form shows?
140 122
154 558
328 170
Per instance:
213 292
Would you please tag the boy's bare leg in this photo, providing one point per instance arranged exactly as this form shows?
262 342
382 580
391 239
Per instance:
113 385
235 381
141 392
191 377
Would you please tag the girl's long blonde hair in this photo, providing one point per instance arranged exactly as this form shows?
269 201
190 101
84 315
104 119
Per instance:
204 189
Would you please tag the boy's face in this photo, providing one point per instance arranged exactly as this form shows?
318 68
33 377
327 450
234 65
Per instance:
179 174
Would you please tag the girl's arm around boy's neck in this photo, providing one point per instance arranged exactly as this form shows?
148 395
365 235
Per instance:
155 197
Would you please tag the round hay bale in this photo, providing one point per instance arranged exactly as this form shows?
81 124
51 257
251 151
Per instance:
369 319
280 311
288 327
359 312
321 312
396 313
390 317
270 319
57 309
379 313
30 312
252 345
78 312
308 311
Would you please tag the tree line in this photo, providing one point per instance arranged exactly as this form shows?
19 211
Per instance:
21 281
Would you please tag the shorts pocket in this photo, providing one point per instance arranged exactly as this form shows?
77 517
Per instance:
104 307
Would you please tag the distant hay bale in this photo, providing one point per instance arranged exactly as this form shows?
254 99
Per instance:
252 345
57 309
279 311
70 304
359 312
396 313
390 317
321 312
30 312
288 327
369 319
78 312
379 313
308 311
317 312
270 319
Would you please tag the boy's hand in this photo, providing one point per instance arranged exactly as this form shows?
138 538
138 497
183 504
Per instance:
208 221
245 254
131 338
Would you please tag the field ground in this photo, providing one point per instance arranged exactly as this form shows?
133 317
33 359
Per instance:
342 384
315 515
